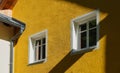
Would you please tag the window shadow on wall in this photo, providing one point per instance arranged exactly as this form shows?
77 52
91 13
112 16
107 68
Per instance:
66 63
110 27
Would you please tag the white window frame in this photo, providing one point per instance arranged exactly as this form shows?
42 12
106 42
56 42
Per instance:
74 31
32 39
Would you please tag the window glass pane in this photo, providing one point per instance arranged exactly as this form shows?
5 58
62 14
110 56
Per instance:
83 27
43 51
43 41
39 53
35 53
83 40
39 42
92 23
92 37
36 42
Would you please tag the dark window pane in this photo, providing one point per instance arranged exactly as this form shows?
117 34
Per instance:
43 41
43 51
83 27
39 53
39 42
92 37
83 40
36 42
92 23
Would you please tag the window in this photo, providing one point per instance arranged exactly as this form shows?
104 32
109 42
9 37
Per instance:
85 32
38 47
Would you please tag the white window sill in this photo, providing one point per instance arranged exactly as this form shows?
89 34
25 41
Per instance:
81 51
36 62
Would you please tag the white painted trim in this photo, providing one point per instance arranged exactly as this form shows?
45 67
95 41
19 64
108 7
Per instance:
39 34
86 16
30 52
98 28
83 19
46 46
36 36
72 36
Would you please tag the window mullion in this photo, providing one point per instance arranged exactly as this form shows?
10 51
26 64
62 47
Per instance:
37 51
92 28
41 50
78 37
34 51
87 35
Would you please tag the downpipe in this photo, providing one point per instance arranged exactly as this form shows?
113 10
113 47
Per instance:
13 39
11 56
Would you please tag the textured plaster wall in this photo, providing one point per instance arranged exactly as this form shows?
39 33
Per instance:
55 16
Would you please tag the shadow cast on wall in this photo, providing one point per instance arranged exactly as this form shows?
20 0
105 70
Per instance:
110 27
66 63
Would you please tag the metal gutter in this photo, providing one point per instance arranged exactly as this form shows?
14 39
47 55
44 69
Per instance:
11 21
16 23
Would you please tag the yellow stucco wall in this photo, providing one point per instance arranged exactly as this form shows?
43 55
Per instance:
55 16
